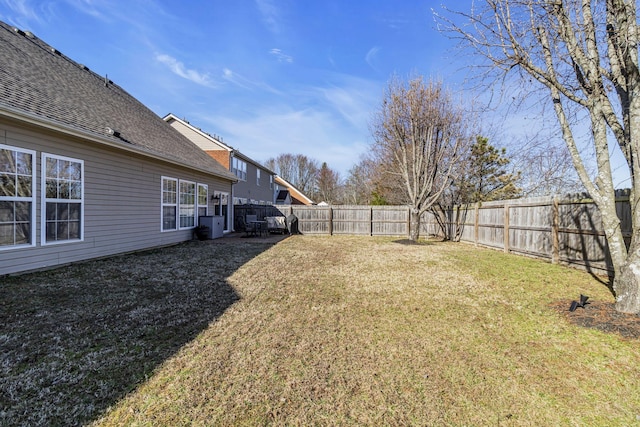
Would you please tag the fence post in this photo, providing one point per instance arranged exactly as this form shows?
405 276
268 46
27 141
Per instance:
506 227
371 221
476 225
555 231
330 221
408 222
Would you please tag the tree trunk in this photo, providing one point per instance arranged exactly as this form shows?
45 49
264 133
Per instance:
414 225
627 283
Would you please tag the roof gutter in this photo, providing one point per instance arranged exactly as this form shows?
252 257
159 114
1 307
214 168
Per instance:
38 121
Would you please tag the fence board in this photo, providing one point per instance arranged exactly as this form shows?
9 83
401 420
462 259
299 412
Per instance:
390 221
530 229
313 219
354 220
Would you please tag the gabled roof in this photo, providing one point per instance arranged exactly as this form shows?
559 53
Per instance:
293 191
41 86
282 196
214 140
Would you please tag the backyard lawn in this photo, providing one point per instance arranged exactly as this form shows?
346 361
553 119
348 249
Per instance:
312 331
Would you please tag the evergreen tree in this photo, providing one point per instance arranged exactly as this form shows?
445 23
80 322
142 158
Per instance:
328 185
486 176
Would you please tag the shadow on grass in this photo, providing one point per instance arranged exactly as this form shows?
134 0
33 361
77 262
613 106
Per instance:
421 242
77 339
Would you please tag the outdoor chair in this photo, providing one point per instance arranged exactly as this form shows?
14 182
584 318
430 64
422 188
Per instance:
252 224
241 225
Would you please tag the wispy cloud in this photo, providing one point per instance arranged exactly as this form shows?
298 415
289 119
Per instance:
18 12
245 83
352 99
24 13
236 79
281 129
270 14
396 23
178 68
40 11
371 56
328 123
89 7
280 56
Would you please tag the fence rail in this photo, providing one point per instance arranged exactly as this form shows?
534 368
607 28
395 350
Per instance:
561 229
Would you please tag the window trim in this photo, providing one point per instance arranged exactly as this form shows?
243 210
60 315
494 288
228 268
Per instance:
178 205
186 205
163 204
44 199
258 177
239 168
206 201
32 199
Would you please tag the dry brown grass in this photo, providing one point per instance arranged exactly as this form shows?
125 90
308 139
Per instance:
367 331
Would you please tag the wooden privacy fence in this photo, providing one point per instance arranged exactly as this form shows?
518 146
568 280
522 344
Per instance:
561 229
339 219
565 229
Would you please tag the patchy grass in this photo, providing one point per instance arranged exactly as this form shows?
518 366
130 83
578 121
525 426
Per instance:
326 331
77 339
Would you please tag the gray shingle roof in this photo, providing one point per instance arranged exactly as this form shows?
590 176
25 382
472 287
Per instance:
39 81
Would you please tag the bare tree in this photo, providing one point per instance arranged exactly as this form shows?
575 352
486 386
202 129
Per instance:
546 168
368 183
328 185
417 134
357 187
298 169
585 55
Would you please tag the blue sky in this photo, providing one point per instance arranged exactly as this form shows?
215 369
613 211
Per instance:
269 76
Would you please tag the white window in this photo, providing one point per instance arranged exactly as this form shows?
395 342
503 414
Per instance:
203 199
271 182
187 206
258 177
239 168
63 199
169 203
17 197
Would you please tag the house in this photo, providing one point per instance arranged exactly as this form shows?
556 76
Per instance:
287 194
86 170
255 182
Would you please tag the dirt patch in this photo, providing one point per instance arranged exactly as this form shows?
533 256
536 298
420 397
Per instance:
601 316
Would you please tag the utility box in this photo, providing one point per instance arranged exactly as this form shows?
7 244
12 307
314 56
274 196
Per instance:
215 224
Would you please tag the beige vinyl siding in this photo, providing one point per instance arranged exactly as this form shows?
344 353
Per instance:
197 138
122 208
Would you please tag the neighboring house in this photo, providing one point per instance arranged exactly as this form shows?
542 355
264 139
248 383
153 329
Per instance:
255 182
86 170
287 194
